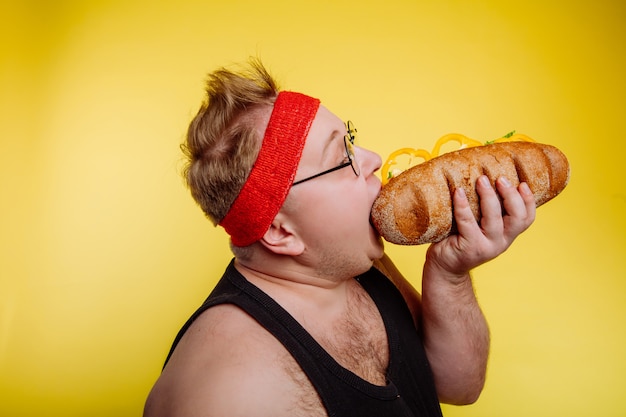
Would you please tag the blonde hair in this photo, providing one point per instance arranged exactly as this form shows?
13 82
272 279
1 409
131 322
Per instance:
224 138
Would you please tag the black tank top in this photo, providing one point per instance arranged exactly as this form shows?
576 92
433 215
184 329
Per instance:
410 390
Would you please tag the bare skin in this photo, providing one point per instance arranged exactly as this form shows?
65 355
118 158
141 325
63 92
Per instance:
227 364
228 356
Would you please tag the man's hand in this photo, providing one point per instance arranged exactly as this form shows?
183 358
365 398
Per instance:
477 243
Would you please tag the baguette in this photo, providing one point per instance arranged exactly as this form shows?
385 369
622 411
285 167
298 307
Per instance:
416 206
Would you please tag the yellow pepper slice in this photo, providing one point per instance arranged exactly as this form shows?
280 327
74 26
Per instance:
387 171
462 140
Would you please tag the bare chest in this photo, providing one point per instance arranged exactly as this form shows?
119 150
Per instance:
356 338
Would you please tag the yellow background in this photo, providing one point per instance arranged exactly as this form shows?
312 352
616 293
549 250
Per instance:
103 254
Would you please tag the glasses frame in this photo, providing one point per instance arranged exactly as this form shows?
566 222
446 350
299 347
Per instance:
348 140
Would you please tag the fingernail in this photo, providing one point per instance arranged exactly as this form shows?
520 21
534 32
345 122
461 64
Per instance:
505 182
525 188
484 181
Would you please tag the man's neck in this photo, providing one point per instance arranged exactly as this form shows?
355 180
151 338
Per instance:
298 289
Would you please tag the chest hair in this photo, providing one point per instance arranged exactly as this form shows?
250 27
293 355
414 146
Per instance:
357 339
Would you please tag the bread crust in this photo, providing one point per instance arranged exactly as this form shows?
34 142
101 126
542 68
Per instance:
416 206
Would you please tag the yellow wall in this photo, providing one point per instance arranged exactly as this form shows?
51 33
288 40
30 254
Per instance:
103 254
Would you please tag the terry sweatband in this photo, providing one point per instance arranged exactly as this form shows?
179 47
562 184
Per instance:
270 179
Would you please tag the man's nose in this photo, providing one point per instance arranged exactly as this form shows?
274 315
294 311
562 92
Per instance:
370 161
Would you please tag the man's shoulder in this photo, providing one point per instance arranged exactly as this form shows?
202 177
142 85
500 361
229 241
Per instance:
226 364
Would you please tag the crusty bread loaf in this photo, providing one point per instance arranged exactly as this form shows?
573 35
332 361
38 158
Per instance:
416 206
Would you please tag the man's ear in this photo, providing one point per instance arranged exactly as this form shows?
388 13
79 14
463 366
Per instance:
281 239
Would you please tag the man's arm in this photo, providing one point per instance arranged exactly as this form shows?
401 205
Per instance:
456 335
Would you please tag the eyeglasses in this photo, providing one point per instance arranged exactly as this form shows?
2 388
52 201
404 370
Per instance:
348 141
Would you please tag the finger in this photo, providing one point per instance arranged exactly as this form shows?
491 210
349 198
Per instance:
529 201
470 233
519 205
490 207
512 200
465 221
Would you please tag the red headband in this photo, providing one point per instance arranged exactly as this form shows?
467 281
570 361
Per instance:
270 179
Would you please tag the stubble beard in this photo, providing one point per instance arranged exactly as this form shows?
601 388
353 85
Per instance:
340 265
